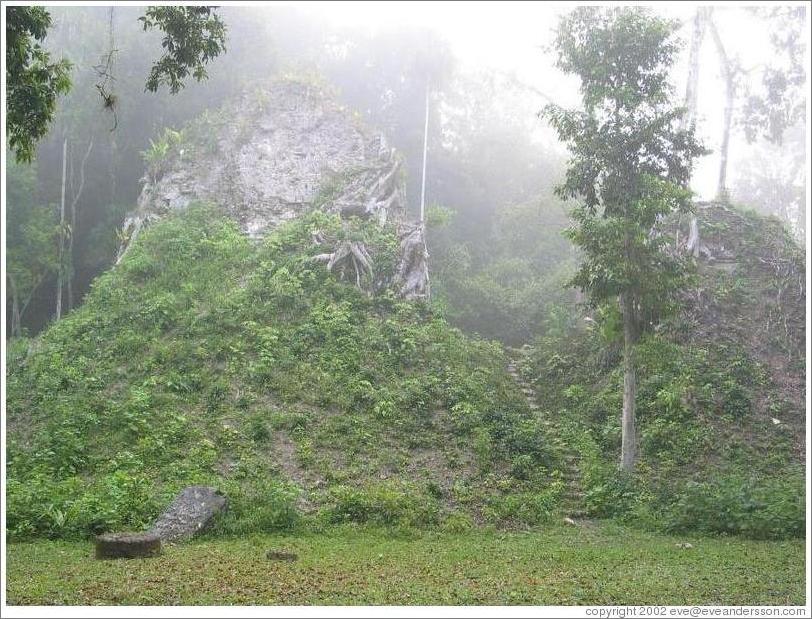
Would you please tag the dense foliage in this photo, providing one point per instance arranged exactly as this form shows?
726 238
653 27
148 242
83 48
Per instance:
34 82
205 359
721 413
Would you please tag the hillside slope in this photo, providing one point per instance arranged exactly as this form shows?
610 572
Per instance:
206 358
720 402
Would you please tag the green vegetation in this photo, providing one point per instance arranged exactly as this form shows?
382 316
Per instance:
31 241
203 358
712 457
631 167
159 153
559 566
404 450
517 290
193 37
34 82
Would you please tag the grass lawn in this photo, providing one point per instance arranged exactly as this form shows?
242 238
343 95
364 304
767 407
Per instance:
594 564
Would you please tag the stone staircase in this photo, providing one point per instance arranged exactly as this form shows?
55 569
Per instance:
572 501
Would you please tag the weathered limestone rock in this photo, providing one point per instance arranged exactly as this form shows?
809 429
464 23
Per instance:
191 511
275 154
127 545
277 151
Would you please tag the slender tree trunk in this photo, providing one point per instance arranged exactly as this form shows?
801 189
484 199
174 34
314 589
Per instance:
691 88
693 244
691 95
74 202
423 183
628 449
59 275
69 274
16 328
425 149
729 77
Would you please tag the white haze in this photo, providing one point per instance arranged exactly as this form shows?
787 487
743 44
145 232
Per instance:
515 37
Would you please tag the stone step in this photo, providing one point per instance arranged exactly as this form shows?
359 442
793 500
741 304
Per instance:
571 501
578 513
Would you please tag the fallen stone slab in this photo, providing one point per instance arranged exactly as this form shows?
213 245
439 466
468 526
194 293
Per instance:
127 545
192 511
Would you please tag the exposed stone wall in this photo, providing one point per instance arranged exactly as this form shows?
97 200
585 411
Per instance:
281 151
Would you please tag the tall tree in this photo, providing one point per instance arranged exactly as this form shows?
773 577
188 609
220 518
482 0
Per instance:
777 101
31 241
33 81
700 22
76 196
425 153
630 166
730 73
63 232
770 97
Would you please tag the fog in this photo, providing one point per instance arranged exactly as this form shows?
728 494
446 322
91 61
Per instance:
492 68
515 38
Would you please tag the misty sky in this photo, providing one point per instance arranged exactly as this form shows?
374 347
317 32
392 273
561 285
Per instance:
515 37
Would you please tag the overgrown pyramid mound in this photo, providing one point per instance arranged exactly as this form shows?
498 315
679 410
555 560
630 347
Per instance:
720 399
274 154
254 337
751 293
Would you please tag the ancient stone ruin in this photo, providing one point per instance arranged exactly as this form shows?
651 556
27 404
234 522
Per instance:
277 153
191 512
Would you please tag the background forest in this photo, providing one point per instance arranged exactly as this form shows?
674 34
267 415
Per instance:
498 257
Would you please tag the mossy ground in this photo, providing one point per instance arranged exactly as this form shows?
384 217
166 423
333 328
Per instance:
597 564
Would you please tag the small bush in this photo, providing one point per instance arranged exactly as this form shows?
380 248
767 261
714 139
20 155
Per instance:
388 503
264 506
70 507
612 494
524 508
457 522
736 504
